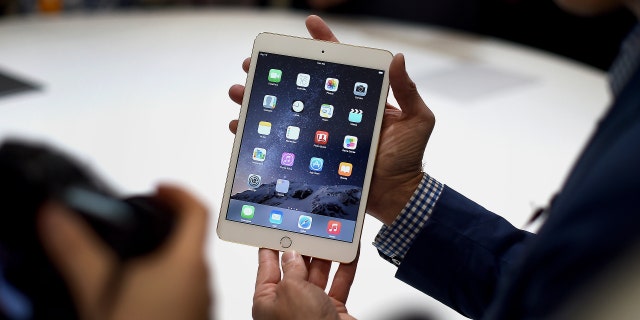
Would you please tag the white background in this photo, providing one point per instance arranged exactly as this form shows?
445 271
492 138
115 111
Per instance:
142 98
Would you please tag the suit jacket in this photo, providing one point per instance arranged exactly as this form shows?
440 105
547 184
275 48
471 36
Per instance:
480 265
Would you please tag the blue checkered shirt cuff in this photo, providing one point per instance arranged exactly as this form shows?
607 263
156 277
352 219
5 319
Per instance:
395 240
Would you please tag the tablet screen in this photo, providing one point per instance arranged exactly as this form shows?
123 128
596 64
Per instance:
305 146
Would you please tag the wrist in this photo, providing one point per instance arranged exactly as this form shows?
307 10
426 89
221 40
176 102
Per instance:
385 203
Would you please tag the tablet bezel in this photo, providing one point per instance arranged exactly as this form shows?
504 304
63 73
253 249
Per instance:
261 236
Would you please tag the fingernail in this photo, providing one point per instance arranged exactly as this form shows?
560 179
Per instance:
289 256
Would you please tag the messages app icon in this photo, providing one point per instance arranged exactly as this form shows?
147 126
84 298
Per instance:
247 212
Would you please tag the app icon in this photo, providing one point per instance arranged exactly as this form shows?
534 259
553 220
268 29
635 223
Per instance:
316 164
259 154
297 106
275 75
345 169
350 142
322 137
303 80
355 115
276 217
304 222
247 212
293 132
287 159
360 89
331 84
254 180
264 127
333 227
282 186
269 102
326 111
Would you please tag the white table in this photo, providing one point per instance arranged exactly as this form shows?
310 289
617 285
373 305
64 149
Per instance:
142 97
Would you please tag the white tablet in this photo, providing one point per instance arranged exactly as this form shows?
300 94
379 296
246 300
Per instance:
305 147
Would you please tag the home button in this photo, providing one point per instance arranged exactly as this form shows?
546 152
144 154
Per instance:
285 242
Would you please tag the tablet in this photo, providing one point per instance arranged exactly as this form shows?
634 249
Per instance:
305 147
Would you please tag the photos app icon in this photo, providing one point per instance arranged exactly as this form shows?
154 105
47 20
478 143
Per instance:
331 84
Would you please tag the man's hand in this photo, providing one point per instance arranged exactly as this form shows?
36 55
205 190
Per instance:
170 283
405 132
300 294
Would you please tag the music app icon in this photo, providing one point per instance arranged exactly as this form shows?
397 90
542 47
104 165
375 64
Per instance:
333 227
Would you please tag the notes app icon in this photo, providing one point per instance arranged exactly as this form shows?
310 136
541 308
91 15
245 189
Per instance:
333 227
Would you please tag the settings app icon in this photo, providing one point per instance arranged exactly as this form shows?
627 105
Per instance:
254 180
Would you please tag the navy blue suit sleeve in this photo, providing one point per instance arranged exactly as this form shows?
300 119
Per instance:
461 253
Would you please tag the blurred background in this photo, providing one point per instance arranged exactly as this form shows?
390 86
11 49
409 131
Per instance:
536 23
137 89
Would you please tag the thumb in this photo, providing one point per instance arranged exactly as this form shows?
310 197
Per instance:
82 259
293 266
404 89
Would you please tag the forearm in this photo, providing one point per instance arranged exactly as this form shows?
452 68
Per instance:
460 253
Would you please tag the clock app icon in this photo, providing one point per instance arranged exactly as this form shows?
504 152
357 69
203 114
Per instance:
297 106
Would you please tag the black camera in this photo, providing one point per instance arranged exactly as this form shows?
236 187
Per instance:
33 174
361 88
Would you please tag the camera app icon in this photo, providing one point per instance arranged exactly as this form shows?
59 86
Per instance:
360 89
